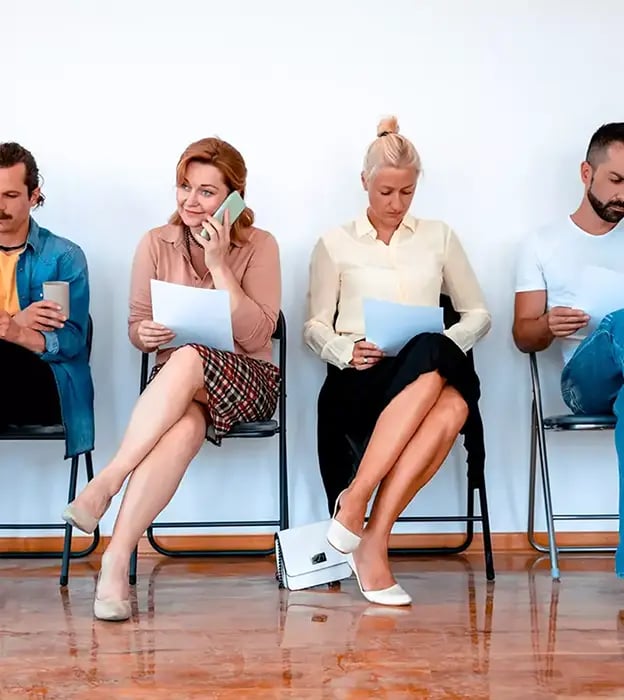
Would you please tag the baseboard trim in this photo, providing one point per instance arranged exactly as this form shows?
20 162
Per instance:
501 542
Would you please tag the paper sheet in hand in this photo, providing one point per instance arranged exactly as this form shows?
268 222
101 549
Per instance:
194 315
601 291
390 325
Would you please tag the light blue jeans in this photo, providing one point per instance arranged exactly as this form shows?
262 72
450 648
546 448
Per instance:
593 382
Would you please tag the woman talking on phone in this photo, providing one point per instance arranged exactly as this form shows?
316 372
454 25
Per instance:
405 410
194 391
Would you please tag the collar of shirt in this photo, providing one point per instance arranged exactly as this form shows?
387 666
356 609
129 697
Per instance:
33 235
363 226
175 234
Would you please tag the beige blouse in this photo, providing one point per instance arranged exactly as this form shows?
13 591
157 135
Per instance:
162 255
423 259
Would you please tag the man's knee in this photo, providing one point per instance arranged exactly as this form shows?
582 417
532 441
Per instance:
615 321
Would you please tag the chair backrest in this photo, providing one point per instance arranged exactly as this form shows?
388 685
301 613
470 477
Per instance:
451 316
280 336
89 337
567 420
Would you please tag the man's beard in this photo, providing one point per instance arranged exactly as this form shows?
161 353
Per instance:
611 212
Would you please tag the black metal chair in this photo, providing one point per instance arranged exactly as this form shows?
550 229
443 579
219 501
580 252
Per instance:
53 432
476 482
262 429
539 426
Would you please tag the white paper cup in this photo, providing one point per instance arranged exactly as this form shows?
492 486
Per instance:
58 292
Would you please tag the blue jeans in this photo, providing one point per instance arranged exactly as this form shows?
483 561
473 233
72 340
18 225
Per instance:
593 382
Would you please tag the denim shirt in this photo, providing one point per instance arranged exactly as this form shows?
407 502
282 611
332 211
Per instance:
50 258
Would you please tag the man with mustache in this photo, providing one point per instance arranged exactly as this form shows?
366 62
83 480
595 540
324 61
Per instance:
549 290
45 375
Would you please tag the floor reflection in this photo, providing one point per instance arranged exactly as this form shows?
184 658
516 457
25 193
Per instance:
224 629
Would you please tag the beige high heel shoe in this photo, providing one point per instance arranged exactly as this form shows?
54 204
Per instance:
110 609
81 519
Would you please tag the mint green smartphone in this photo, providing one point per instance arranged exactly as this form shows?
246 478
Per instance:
234 203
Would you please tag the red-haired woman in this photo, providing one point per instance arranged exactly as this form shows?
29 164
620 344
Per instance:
194 390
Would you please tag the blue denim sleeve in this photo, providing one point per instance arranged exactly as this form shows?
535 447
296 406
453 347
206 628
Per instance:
68 342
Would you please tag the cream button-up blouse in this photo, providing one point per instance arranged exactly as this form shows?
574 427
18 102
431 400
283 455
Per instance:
423 259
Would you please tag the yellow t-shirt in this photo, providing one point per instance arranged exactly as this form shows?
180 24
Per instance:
9 300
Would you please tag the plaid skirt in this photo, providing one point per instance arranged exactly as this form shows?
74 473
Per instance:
239 389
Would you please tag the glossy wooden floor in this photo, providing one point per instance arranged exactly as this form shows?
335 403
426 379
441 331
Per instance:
222 629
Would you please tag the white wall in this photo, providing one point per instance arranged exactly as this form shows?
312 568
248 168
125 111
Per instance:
500 98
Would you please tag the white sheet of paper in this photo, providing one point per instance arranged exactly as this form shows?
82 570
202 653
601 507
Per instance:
600 292
194 315
390 325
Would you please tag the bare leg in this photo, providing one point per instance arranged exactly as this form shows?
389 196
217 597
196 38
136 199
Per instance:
418 463
151 486
395 427
165 400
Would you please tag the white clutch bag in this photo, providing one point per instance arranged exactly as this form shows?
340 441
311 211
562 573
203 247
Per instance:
304 558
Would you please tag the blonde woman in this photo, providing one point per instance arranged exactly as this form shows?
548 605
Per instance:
408 409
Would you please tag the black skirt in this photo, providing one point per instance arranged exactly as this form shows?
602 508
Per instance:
351 401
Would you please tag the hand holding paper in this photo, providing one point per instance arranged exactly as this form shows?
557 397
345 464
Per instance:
195 315
564 321
390 325
154 335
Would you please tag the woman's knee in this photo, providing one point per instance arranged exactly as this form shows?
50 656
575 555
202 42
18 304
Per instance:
434 376
453 408
186 361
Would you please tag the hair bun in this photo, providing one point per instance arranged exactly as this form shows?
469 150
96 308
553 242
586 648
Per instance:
388 125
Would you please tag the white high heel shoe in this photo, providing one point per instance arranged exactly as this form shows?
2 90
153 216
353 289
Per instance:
394 595
338 536
108 608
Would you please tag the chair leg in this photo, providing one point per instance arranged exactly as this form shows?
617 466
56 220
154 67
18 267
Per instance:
167 552
73 480
449 550
89 465
550 521
133 567
487 535
283 479
532 480
96 534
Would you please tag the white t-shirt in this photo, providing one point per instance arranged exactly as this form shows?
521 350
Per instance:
553 260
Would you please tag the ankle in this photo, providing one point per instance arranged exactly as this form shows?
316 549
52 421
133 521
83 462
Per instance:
374 539
112 478
359 494
116 558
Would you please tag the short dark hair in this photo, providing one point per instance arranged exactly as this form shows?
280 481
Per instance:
606 135
13 154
